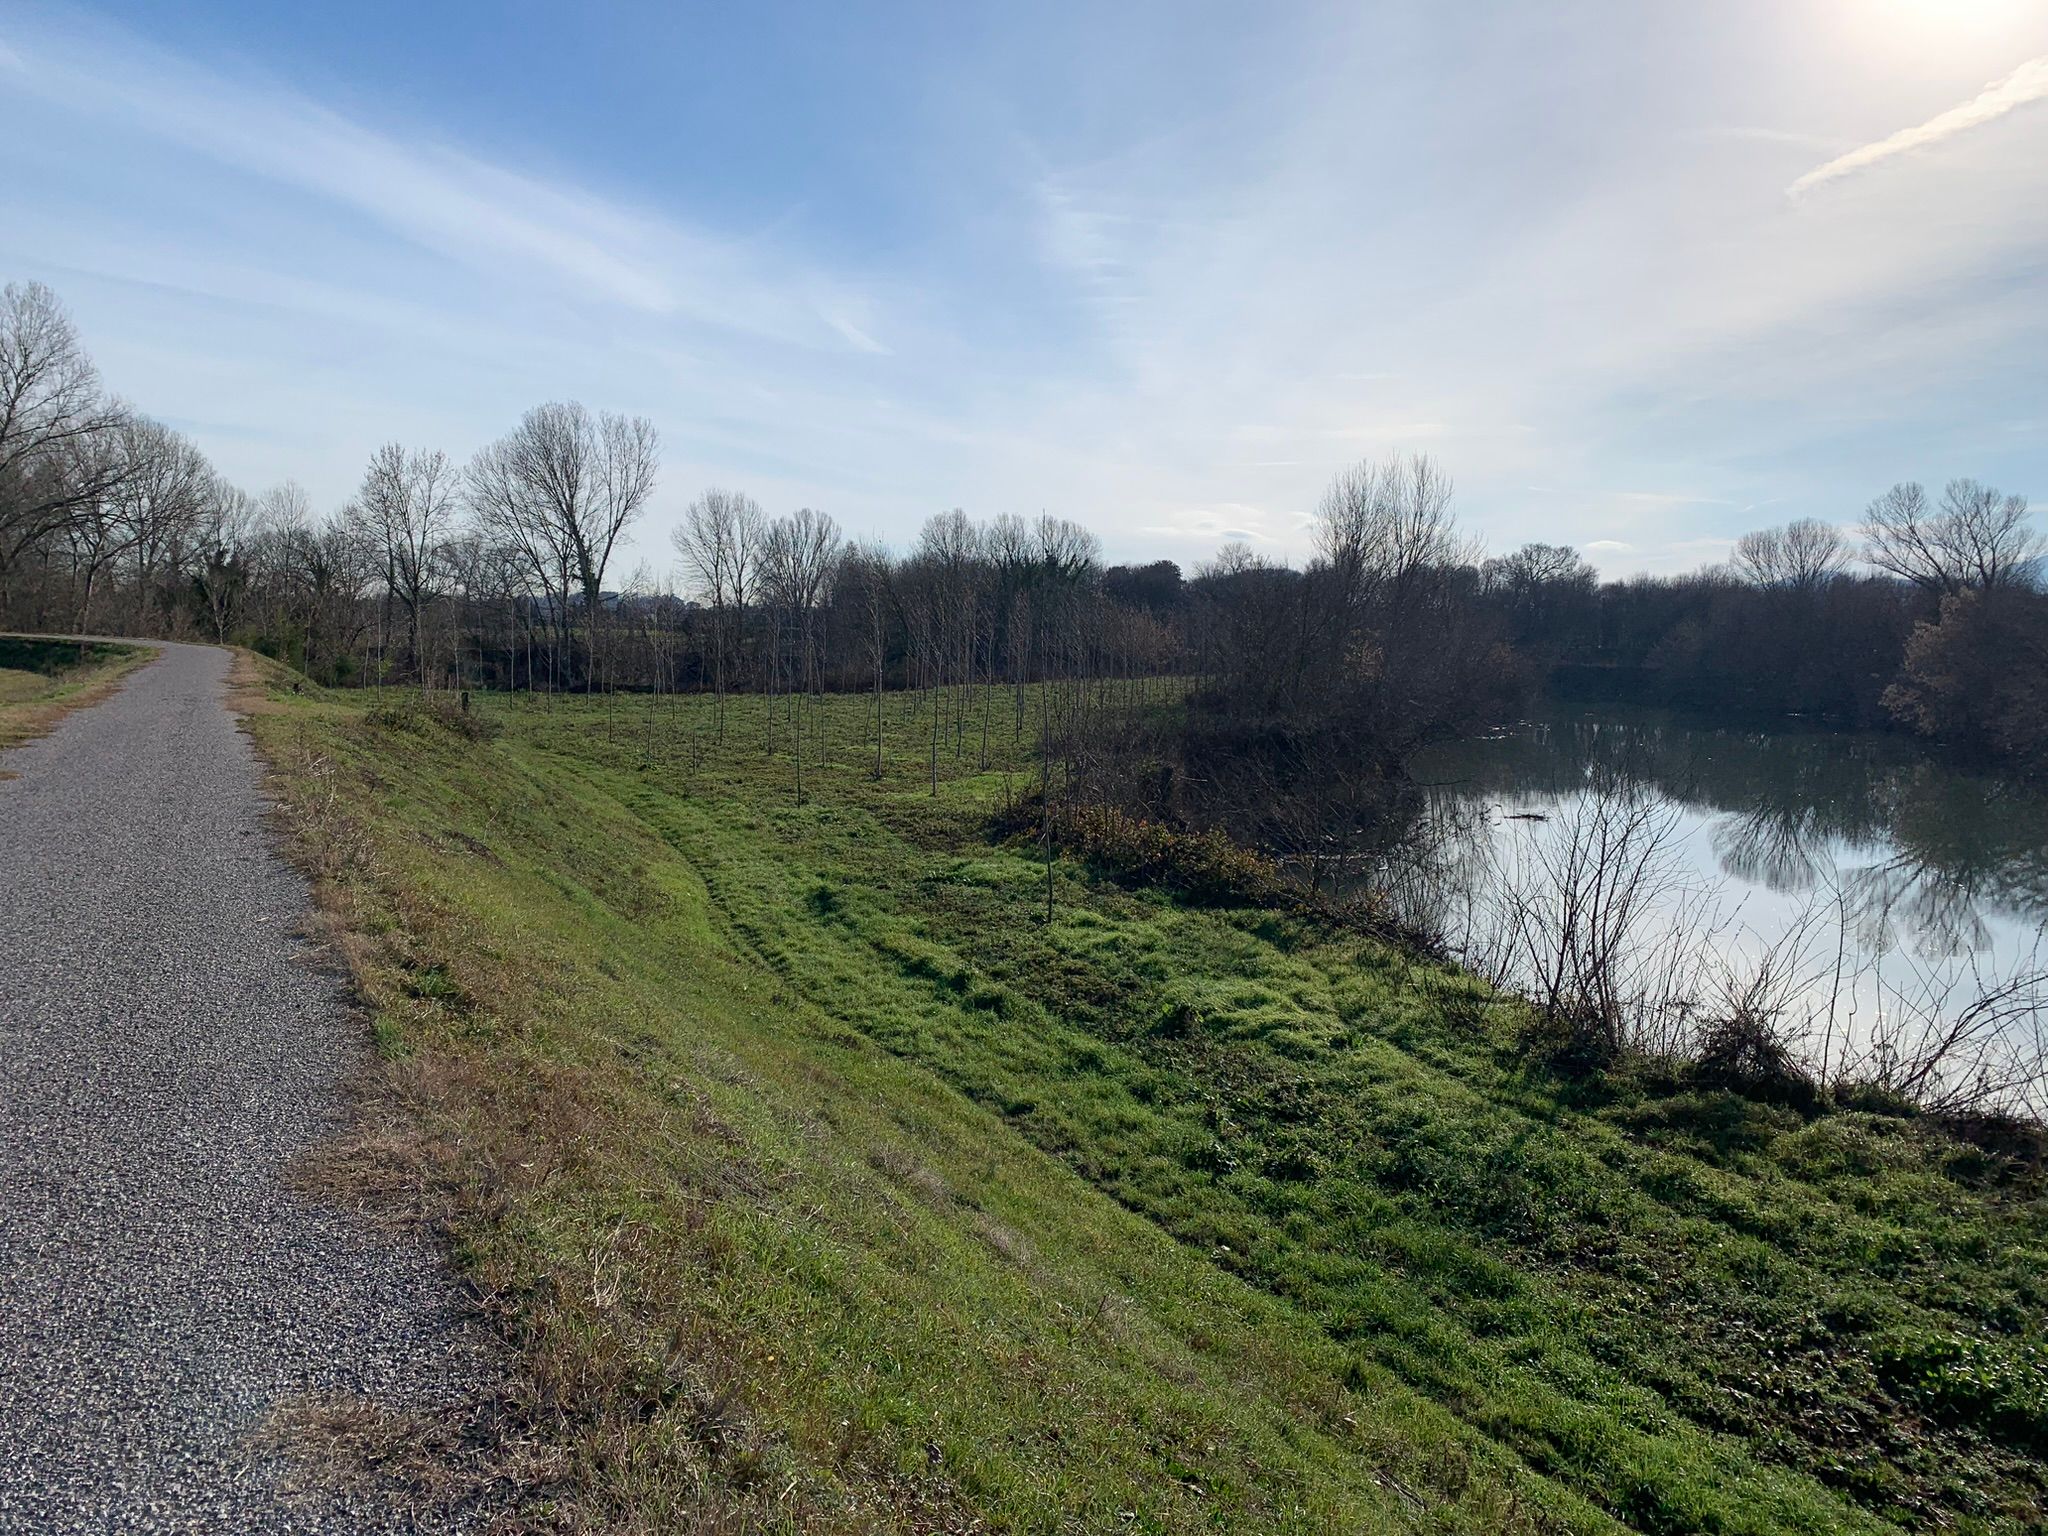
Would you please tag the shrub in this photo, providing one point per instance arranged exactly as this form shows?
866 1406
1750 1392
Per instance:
422 712
1743 1052
1206 866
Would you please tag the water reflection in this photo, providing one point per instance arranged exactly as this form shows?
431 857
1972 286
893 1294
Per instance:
1920 858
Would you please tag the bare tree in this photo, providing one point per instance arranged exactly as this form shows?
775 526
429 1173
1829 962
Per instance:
51 413
798 553
1380 525
719 542
808 550
537 544
316 573
1802 556
1978 539
865 571
221 566
566 486
407 509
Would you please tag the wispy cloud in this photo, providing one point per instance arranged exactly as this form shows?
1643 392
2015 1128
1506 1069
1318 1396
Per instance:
490 217
1209 525
1669 499
2028 83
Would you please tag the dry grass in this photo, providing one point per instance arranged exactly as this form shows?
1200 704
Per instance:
470 1464
250 679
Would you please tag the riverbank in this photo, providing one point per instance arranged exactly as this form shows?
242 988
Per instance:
825 1185
1888 909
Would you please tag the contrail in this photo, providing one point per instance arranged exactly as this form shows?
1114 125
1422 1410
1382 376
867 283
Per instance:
2027 83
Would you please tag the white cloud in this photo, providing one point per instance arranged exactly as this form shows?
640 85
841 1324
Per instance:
491 218
1212 525
2028 83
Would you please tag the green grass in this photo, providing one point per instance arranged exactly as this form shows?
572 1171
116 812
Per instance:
42 679
826 1186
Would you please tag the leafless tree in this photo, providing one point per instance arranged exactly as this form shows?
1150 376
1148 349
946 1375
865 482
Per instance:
1379 526
221 558
406 508
1803 555
537 544
564 487
866 572
798 555
51 415
315 575
950 552
1978 539
802 550
719 543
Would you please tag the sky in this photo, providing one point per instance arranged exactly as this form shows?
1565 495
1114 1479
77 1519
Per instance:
1641 274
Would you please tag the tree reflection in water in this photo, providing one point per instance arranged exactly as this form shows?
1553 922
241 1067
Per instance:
1924 881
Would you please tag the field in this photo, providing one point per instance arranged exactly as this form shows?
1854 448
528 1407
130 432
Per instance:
41 679
823 1184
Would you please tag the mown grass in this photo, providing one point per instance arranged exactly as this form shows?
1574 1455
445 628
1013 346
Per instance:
824 1185
43 679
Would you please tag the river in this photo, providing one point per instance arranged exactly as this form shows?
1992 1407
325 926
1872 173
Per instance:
1895 891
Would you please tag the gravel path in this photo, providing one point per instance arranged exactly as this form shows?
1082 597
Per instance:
164 1050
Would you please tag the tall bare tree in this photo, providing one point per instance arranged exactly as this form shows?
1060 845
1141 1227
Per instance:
222 553
535 544
568 485
1804 555
406 508
1977 539
52 415
719 542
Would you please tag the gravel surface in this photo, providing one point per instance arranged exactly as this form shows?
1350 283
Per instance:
165 1049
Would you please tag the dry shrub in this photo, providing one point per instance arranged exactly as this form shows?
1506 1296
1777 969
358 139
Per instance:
1204 866
1745 1052
420 712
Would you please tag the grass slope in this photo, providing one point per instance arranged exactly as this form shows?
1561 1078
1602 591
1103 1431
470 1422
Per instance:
41 680
825 1186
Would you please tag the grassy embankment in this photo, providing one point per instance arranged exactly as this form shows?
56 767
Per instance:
824 1186
41 680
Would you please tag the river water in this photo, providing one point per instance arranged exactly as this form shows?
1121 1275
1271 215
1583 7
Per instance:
1893 888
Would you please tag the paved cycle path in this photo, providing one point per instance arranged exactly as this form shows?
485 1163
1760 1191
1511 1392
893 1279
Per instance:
165 1050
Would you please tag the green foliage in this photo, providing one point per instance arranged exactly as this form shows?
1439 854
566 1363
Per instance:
1998 1385
1186 1210
57 658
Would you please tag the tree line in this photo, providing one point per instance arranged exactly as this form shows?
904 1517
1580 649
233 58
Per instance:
1302 689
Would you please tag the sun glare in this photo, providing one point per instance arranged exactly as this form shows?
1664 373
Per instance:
1943 25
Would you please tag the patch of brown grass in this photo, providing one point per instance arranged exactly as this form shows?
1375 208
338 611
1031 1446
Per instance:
251 678
471 1463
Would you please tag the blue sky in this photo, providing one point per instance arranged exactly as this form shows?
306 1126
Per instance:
1642 275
